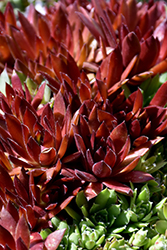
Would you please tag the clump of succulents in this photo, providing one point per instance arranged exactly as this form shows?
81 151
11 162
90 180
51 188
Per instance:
80 109
110 221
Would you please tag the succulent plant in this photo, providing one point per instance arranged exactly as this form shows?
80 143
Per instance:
81 110
109 221
111 40
112 139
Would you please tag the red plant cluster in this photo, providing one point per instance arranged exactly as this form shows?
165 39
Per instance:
89 135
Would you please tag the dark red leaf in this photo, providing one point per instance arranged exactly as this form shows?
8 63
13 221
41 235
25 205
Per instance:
59 109
21 191
122 170
36 241
23 43
44 30
6 181
102 89
12 210
38 97
136 177
80 143
140 140
85 176
135 129
93 119
28 30
48 156
53 240
117 186
16 84
7 221
130 48
63 146
95 30
147 58
22 231
109 35
21 66
160 98
102 131
17 54
9 15
84 92
93 189
119 136
6 238
101 169
20 244
33 149
110 157
29 119
14 128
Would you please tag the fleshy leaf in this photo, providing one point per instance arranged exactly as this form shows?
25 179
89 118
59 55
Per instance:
22 231
130 47
160 98
53 240
6 237
117 186
101 169
135 177
119 136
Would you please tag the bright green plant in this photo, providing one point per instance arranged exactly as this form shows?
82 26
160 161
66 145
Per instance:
111 221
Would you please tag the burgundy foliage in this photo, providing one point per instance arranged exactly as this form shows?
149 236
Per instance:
89 135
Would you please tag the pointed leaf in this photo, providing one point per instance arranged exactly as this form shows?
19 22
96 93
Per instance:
7 221
22 231
84 92
108 69
47 119
101 169
21 190
135 177
63 146
110 157
44 30
20 244
59 109
80 143
10 15
6 237
53 240
119 136
38 97
117 186
93 189
36 241
48 156
85 176
33 149
147 58
28 30
23 43
6 181
90 25
124 169
160 98
130 47
14 127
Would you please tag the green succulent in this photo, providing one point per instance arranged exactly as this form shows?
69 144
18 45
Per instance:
113 221
117 242
159 244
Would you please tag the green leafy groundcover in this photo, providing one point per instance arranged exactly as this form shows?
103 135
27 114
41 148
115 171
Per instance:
83 125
